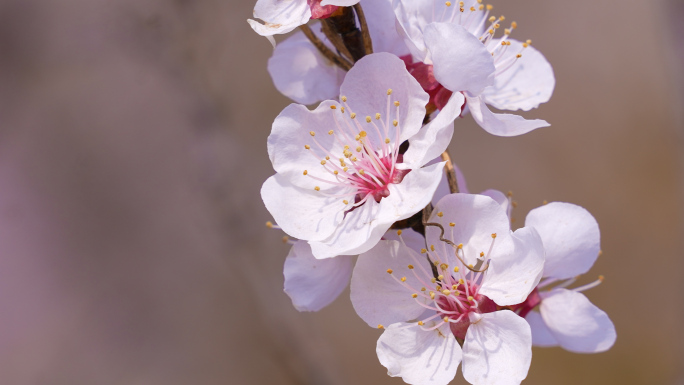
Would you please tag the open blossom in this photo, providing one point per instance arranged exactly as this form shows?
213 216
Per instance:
456 54
282 16
566 318
430 309
341 180
300 72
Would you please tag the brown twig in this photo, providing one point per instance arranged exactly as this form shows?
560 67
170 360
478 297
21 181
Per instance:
367 42
336 41
344 24
324 50
448 242
450 172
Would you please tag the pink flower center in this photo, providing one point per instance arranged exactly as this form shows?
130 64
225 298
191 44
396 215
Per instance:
423 73
459 306
319 11
367 155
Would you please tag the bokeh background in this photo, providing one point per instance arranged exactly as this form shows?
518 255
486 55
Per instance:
133 146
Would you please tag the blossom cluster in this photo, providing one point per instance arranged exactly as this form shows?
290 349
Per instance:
367 173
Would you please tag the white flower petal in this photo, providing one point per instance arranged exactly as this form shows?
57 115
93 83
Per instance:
501 124
435 137
415 241
500 198
526 84
311 283
419 357
514 271
577 324
317 217
279 16
382 27
571 238
300 72
360 230
414 192
461 61
366 88
412 17
376 295
290 134
475 218
497 349
341 3
541 335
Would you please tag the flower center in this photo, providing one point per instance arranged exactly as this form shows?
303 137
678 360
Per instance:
367 164
455 294
321 12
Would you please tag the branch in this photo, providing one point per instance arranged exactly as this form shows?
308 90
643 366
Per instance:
367 42
324 50
450 172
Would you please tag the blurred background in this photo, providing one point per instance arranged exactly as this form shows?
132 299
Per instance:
133 146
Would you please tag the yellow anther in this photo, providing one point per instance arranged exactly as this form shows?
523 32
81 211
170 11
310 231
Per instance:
545 202
342 109
432 247
452 224
433 279
344 99
493 235
509 193
518 56
269 224
528 42
423 251
461 4
514 25
491 31
317 188
470 298
377 116
387 140
410 267
335 172
362 172
432 295
470 265
330 132
460 246
454 287
446 319
525 45
390 271
600 253
481 253
440 214
403 279
490 7
422 289
363 134
307 146
323 162
353 115
285 239
327 157
502 18
491 19
395 122
368 119
380 327
396 103
414 295
436 263
346 147
507 32
448 3
472 9
601 278
440 277
481 7
305 172
346 202
312 133
461 281
345 169
357 137
389 91
444 266
421 323
333 107
358 149
399 232
508 42
503 42
446 292
456 269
